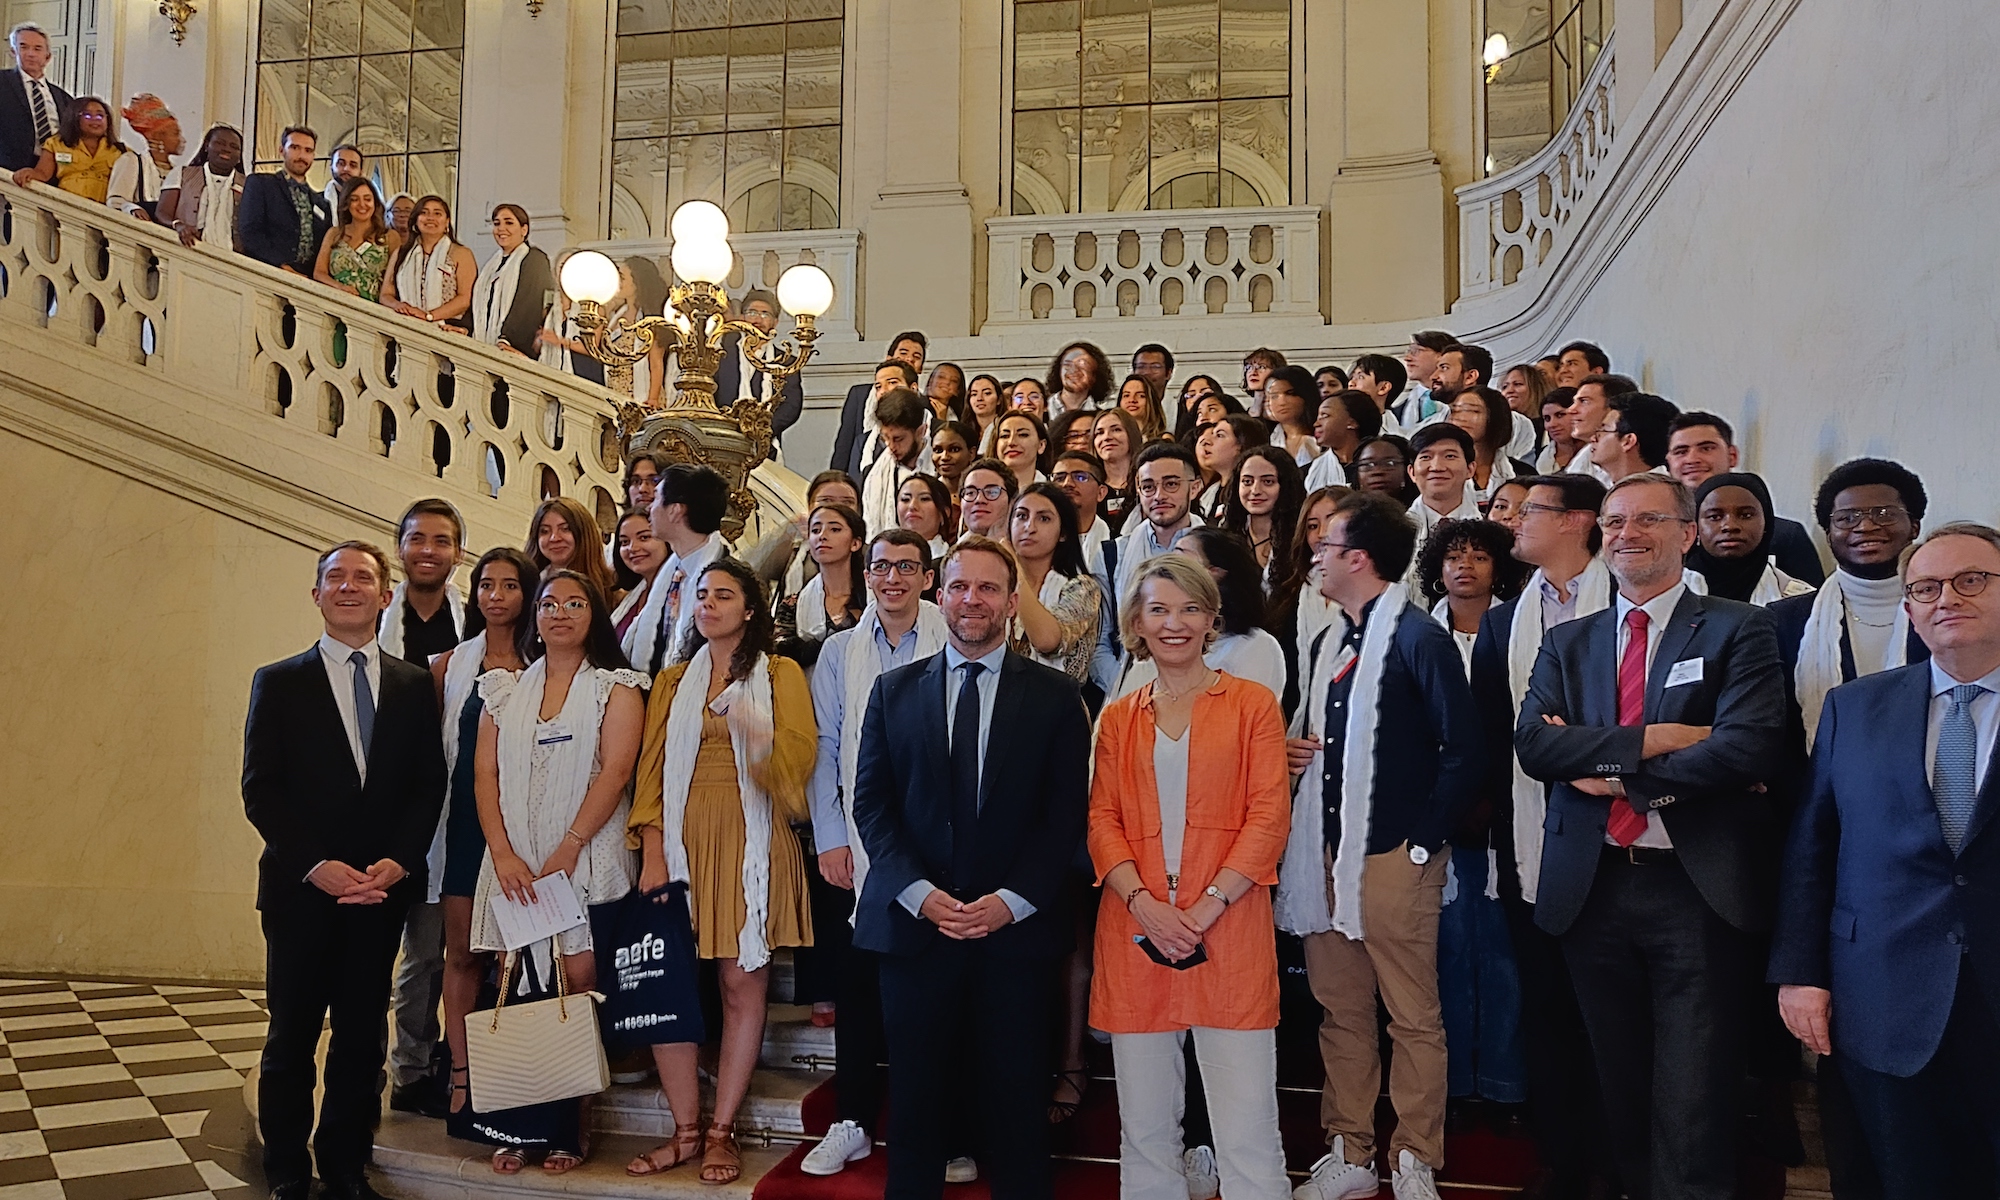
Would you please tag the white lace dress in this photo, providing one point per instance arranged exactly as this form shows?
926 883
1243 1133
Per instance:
538 814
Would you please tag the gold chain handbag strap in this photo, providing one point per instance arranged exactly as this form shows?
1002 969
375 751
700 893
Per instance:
507 984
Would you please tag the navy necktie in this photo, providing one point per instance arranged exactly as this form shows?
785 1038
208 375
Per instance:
364 702
965 780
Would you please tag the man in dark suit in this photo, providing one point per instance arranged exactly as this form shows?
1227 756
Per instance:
344 777
1658 720
31 105
850 444
280 219
1887 947
759 308
970 794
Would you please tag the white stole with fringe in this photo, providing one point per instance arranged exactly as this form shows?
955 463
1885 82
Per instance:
861 667
389 630
1819 670
1592 588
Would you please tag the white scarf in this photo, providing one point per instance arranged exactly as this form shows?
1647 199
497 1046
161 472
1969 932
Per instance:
635 598
1772 586
217 210
1592 589
536 830
461 673
1301 902
885 477
493 293
862 667
1819 670
428 280
554 354
747 705
389 629
809 618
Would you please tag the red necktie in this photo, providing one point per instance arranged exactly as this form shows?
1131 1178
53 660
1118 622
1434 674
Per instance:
1626 823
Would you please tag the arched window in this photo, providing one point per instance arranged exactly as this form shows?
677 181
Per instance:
738 103
383 77
1122 105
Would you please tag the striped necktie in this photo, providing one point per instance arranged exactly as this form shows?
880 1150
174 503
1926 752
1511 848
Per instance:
45 125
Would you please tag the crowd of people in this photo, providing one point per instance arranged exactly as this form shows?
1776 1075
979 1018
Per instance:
1063 707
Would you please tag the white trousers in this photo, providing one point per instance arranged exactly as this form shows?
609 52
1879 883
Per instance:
1239 1075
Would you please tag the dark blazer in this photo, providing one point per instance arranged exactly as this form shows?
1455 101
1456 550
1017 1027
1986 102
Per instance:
267 223
1790 615
848 444
19 148
533 293
1873 905
1034 798
300 788
1793 551
791 399
1725 834
1493 695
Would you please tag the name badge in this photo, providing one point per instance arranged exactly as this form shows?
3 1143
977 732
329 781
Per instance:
1688 670
1344 663
553 739
64 158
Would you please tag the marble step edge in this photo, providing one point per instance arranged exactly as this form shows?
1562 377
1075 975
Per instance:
776 1095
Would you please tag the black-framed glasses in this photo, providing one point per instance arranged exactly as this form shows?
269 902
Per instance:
1882 516
1965 583
1326 545
563 608
1380 464
1078 478
909 568
971 492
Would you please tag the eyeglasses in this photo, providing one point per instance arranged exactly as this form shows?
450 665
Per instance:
1323 546
1884 516
971 492
1644 522
1554 510
563 608
1380 464
1169 485
1079 478
1965 583
908 568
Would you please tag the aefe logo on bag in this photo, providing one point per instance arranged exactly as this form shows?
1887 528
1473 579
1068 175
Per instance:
646 949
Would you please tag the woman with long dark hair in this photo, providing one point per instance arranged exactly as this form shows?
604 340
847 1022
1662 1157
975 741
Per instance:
945 391
433 275
1264 505
1483 413
1059 604
1186 410
554 760
985 400
1079 378
510 299
1031 395
1022 442
1297 611
1116 438
923 506
729 745
1138 397
637 557
562 534
354 256
833 599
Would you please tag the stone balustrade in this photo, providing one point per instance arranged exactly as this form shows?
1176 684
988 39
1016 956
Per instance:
1512 225
1179 264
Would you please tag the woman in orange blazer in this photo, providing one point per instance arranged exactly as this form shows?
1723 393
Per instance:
1189 810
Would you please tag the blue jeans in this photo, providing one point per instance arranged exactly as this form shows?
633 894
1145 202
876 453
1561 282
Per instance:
1479 989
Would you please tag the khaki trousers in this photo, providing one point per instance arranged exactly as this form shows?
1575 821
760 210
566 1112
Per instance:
1397 957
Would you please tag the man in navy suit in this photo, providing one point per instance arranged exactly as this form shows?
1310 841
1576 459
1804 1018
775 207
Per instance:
970 794
1887 947
1658 719
850 443
344 778
279 219
31 105
759 308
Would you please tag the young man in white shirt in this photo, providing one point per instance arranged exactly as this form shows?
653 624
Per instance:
982 510
1633 436
688 507
1383 379
1080 475
1165 479
1441 467
1586 419
901 450
1578 361
1420 362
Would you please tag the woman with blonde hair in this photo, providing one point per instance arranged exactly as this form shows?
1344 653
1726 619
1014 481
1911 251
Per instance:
1189 811
562 535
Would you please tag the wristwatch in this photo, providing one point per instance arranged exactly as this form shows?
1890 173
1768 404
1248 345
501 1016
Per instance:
1616 785
1216 892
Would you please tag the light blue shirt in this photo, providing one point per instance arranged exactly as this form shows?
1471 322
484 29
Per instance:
1985 718
829 693
988 685
1556 610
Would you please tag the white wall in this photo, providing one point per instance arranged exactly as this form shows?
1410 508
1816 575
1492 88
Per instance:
1821 269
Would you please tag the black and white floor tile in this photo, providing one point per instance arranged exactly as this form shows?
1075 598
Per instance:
105 1087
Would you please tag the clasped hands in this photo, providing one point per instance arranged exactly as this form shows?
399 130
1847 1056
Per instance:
349 886
517 881
1662 738
965 922
1176 932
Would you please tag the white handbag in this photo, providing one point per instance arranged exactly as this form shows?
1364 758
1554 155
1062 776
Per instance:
535 1052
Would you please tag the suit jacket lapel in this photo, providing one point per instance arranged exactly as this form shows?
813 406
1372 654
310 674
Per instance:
936 745
1602 692
1673 643
1006 715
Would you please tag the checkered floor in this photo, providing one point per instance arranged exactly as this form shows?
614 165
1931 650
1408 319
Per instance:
104 1088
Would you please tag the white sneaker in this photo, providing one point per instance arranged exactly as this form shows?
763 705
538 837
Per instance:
1334 1178
1413 1178
846 1142
1203 1183
961 1170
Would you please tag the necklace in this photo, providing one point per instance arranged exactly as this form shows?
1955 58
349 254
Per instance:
1173 697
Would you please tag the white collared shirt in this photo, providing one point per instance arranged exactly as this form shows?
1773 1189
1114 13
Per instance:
1659 610
335 655
1985 718
690 568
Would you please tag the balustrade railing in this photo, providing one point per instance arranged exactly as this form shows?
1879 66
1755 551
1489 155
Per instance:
1512 223
1183 263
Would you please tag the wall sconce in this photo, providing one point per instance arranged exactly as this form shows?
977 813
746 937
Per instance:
534 9
179 12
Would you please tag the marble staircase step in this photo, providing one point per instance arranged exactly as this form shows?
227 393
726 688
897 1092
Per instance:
773 1105
792 1041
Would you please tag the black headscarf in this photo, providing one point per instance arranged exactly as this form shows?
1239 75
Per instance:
1734 578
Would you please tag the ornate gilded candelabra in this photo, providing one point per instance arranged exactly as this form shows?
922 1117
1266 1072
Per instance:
693 428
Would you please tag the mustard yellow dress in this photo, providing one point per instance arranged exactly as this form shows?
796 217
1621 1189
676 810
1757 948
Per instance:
713 829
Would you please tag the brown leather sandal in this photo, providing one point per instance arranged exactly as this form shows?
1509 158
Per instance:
683 1145
721 1161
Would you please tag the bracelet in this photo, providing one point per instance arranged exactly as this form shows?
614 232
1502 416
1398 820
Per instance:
571 834
1129 896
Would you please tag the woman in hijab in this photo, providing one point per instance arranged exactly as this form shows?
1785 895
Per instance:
1733 531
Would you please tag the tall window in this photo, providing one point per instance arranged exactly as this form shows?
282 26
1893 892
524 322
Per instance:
1536 57
734 101
381 74
1122 105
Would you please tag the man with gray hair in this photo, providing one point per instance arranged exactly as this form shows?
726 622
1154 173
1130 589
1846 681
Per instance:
31 105
1657 721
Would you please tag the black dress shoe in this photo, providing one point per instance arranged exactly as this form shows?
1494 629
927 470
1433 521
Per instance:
298 1189
421 1098
355 1188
